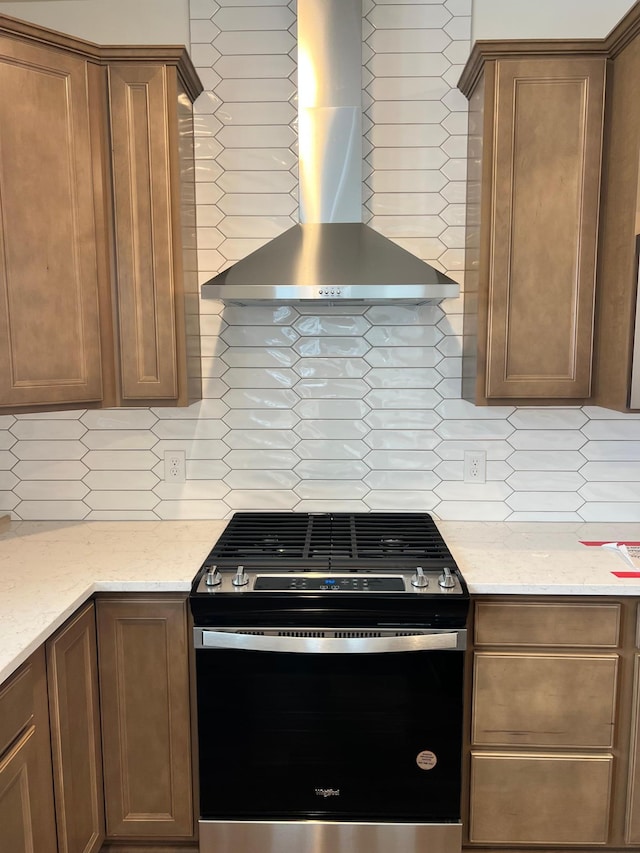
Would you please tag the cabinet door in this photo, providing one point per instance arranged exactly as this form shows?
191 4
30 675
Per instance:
19 832
49 323
540 799
544 700
75 735
546 157
144 688
27 822
144 233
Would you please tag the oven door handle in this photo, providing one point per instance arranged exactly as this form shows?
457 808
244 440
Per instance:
436 641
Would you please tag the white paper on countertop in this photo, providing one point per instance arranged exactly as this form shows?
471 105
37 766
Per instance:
627 551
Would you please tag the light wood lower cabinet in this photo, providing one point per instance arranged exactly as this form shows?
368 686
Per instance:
72 671
632 826
543 729
544 700
144 688
27 822
553 799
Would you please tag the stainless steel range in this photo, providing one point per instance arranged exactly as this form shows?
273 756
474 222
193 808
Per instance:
329 663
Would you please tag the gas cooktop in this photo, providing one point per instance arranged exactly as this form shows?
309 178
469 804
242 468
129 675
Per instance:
295 552
311 541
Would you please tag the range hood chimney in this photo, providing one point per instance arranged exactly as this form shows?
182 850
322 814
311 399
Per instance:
331 255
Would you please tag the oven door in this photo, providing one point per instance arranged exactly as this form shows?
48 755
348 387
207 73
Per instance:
349 729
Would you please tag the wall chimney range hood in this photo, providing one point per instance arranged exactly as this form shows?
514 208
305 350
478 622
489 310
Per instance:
331 255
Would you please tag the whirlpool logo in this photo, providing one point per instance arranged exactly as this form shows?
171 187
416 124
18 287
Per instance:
327 792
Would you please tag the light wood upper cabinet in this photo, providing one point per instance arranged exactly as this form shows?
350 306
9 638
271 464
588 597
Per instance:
148 169
49 276
535 145
619 223
72 673
96 181
146 726
143 232
27 822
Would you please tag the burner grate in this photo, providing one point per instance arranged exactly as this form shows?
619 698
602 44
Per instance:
310 539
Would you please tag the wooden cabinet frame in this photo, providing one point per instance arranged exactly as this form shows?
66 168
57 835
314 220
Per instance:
98 282
535 140
587 628
72 673
27 820
146 717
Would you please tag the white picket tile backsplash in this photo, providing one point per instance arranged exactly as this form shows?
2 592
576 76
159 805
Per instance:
327 408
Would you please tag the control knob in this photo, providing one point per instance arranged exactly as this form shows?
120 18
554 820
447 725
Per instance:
446 579
213 576
240 578
419 580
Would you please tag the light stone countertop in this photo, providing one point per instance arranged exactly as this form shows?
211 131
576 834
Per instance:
48 569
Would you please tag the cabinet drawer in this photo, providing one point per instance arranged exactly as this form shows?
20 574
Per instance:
16 705
544 700
542 624
540 799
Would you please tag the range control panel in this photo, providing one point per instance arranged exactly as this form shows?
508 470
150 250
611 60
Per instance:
328 583
431 582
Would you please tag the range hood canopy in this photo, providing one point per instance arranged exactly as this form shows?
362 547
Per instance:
331 255
331 261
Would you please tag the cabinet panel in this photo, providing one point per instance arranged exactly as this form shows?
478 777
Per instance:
632 826
535 154
143 231
17 831
27 822
16 706
544 700
144 687
552 624
75 735
540 799
546 179
49 323
619 227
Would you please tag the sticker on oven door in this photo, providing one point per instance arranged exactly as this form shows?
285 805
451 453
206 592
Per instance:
426 760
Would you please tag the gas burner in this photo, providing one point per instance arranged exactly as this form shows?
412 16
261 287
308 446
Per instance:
271 545
392 545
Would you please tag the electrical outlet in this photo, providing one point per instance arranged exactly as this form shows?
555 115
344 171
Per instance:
174 466
475 466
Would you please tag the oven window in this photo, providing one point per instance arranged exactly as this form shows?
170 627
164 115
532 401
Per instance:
349 737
